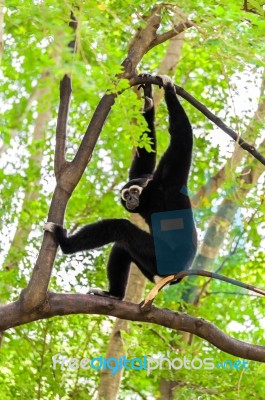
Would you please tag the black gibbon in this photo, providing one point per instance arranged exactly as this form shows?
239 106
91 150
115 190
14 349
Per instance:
149 192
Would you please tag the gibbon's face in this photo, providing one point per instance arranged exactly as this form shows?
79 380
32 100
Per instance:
131 192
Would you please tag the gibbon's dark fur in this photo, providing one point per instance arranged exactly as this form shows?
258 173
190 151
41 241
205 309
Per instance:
149 191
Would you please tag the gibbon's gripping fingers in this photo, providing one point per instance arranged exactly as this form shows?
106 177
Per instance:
50 227
147 87
148 93
102 293
166 81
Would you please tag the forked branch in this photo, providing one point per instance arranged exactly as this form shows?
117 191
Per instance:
65 304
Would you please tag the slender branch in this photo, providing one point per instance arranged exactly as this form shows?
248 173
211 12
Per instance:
142 42
65 98
35 293
177 29
212 117
83 155
64 304
223 278
146 304
219 177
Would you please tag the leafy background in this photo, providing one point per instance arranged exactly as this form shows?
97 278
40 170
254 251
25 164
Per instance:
221 64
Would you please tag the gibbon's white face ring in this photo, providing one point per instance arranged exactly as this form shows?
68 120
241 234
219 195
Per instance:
134 190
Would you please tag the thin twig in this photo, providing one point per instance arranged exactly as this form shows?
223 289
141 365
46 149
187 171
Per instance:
176 278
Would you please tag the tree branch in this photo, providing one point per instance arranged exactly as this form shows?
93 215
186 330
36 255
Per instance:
83 155
142 42
65 98
180 275
11 315
215 181
212 117
177 29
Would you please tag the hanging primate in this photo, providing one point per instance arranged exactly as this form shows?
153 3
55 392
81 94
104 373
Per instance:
148 191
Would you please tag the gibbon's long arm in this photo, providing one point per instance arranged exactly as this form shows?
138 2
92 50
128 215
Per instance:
144 162
175 164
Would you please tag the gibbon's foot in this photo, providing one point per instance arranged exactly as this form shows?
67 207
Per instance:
103 293
166 81
50 227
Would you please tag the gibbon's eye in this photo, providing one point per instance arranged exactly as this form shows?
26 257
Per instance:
125 194
135 191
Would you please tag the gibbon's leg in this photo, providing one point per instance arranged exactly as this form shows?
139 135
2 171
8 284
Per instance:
100 233
133 240
118 269
89 236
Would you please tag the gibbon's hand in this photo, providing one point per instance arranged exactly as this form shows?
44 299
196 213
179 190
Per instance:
165 81
148 91
50 227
